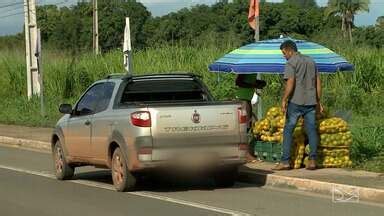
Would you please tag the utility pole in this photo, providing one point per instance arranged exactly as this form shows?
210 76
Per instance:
127 47
38 57
33 84
95 28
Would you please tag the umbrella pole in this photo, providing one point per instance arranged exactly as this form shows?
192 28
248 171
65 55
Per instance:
259 104
218 78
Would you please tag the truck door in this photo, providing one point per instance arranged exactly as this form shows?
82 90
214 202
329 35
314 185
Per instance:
78 139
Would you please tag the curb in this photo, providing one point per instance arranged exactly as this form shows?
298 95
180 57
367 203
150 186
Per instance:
338 192
24 143
262 178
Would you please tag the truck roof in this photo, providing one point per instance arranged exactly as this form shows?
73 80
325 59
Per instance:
150 76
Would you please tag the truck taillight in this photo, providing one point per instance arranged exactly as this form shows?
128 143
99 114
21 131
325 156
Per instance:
145 154
242 113
141 119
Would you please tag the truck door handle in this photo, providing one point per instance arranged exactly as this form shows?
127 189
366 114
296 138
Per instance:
87 122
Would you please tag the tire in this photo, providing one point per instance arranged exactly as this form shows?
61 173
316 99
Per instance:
63 170
122 179
226 177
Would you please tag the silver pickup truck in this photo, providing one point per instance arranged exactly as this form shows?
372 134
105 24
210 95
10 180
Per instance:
133 124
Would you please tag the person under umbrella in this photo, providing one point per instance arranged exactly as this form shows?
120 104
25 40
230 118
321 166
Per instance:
301 98
247 85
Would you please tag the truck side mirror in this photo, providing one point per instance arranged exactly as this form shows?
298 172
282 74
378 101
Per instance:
65 108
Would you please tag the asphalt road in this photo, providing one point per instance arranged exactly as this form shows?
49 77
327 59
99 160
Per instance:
27 187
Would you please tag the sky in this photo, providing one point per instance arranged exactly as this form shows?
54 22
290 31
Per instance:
12 18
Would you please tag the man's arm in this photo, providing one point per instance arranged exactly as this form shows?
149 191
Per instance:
259 84
318 88
290 77
289 86
318 93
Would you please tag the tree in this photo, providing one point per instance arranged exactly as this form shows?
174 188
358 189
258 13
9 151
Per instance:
73 29
380 22
224 22
302 3
112 22
346 9
48 16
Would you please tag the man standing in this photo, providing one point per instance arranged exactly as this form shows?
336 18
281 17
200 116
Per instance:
247 84
301 98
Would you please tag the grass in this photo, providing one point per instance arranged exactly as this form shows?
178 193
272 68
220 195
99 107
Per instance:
359 94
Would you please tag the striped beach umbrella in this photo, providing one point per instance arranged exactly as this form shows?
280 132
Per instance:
266 57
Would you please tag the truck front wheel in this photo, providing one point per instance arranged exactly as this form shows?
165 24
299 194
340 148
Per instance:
63 170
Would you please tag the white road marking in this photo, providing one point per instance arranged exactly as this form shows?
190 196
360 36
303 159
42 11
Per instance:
142 194
43 174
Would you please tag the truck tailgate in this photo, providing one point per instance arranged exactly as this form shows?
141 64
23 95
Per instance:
198 126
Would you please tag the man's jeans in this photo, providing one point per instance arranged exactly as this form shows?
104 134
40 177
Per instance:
294 111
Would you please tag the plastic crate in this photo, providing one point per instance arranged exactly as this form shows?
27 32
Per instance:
267 151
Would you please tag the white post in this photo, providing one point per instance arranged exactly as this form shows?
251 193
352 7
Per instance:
27 48
33 85
40 74
127 47
95 28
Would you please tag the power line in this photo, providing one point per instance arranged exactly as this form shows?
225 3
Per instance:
18 13
16 8
13 9
10 5
1 17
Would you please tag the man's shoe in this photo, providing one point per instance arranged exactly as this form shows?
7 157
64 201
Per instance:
311 165
281 166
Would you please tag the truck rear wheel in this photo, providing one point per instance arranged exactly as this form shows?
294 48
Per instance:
63 170
123 180
226 177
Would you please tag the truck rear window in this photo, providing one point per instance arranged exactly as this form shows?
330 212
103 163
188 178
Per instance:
163 91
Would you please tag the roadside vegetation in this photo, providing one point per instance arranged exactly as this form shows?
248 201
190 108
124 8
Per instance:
358 96
164 45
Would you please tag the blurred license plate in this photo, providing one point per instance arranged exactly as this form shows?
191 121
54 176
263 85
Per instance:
197 159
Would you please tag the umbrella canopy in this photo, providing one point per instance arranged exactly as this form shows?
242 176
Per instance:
266 57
